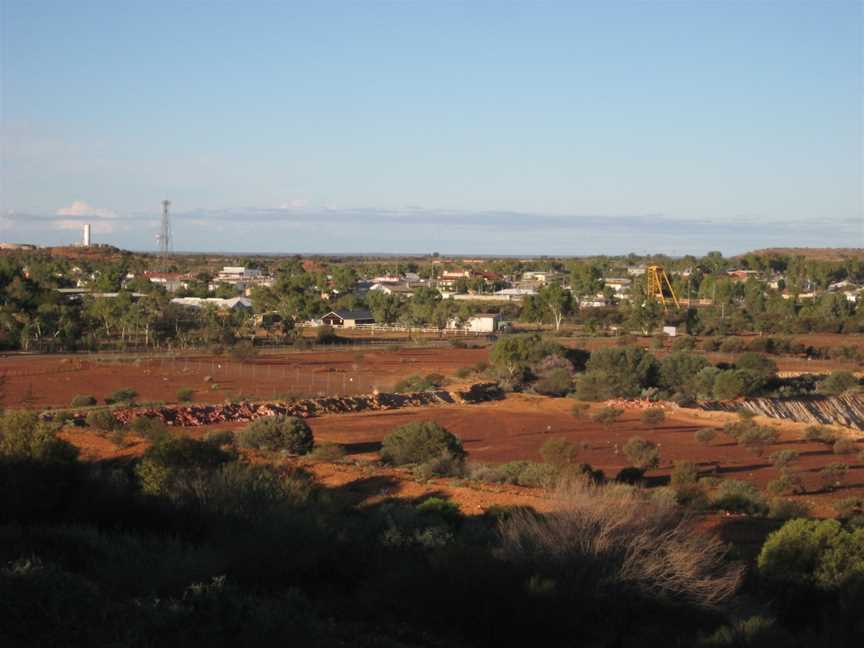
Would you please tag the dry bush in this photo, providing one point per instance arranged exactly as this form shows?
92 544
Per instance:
618 540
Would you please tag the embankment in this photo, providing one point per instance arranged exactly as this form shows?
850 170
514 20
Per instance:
845 410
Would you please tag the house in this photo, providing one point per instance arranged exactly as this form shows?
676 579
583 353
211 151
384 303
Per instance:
742 275
597 301
170 281
542 277
480 323
387 279
222 304
348 318
403 290
619 285
449 278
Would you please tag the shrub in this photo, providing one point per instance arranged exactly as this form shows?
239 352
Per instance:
417 383
442 510
844 446
679 370
528 473
126 396
838 383
558 452
326 335
418 442
787 509
24 437
244 350
833 475
607 416
821 554
185 394
642 454
684 343
463 372
730 345
83 401
739 497
684 474
173 467
705 436
557 382
758 437
851 510
630 475
220 438
623 542
102 420
786 483
783 458
278 434
151 428
444 465
653 416
622 371
756 363
820 434
329 452
580 410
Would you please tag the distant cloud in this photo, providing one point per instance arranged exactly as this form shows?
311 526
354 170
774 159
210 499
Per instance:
81 208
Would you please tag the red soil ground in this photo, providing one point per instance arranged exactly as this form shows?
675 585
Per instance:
516 428
38 381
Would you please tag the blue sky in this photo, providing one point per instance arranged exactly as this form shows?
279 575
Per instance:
475 127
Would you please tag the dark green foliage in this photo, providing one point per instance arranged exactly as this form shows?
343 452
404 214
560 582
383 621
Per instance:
418 442
739 497
151 428
326 335
652 416
185 394
642 454
678 372
172 468
559 452
278 434
607 416
705 435
618 372
102 420
417 383
124 396
851 510
756 363
24 437
580 410
557 382
838 383
83 401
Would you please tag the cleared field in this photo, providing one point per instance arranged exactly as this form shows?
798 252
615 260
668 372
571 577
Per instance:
516 428
38 381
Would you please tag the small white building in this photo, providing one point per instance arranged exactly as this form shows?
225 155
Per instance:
222 304
480 323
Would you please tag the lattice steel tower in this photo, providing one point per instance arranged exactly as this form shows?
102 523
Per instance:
658 284
164 237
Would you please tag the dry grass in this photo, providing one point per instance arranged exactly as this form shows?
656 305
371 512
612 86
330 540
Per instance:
616 540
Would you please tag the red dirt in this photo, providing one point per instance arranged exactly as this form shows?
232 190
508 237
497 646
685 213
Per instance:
517 427
38 381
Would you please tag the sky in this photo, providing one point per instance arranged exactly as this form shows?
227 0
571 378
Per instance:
527 128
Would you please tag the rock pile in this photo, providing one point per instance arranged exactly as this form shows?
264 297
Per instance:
241 412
